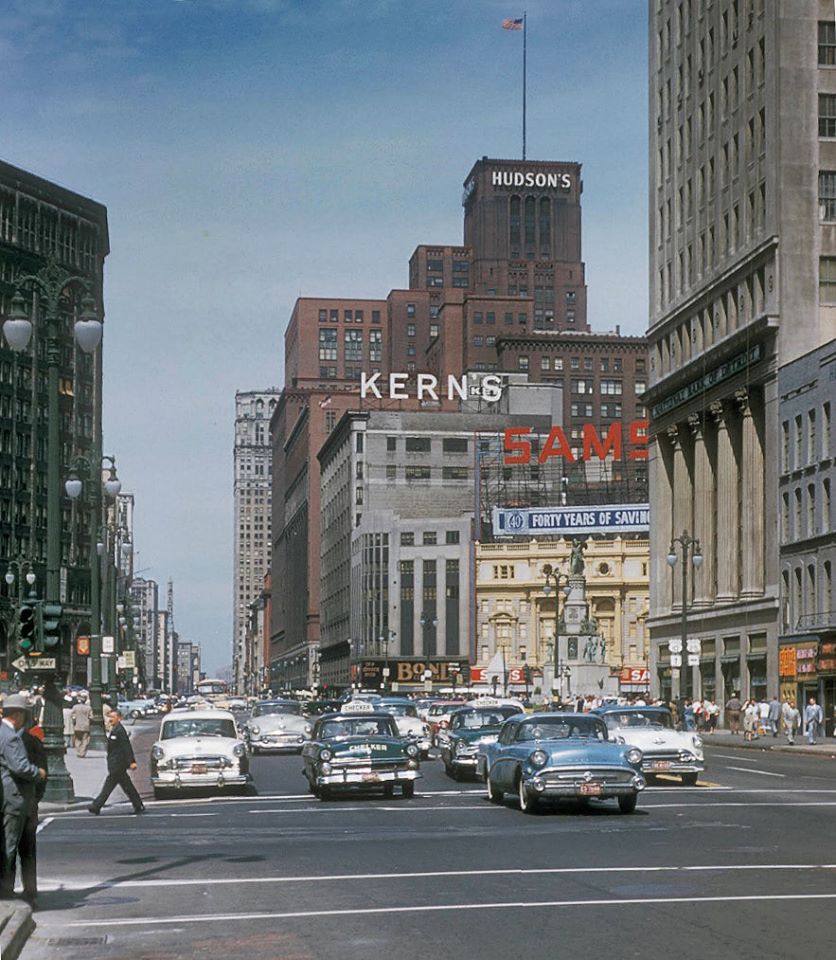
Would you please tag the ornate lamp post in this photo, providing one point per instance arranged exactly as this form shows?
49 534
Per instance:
51 287
686 545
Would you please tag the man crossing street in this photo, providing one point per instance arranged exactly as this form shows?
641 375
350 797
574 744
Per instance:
120 759
813 717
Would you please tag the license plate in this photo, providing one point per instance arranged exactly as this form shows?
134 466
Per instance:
590 789
370 778
662 765
199 768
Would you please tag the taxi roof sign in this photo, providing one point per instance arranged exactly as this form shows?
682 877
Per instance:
358 706
486 702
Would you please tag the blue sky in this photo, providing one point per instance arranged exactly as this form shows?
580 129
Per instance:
251 151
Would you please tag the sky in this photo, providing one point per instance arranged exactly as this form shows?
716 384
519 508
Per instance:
253 151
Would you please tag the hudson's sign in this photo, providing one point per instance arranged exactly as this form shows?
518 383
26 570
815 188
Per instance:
531 178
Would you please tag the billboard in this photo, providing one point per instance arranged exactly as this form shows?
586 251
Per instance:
565 521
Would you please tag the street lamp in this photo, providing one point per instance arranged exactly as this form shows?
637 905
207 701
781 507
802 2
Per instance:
686 545
49 286
555 576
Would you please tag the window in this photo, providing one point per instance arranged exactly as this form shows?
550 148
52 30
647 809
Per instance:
477 341
490 317
522 363
827 115
353 345
410 309
327 344
417 444
640 386
545 363
328 373
610 411
348 316
811 437
358 446
477 317
410 350
827 280
375 316
583 386
334 315
509 318
827 195
358 316
461 266
429 539
391 471
522 318
616 365
375 346
587 363
611 388
417 473
391 444
407 538
323 316
490 341
785 447
575 363
827 43
433 331
435 266
503 571
454 473
452 536
454 445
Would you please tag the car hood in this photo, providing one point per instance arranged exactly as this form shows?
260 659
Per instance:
485 735
195 746
280 723
407 725
581 752
650 740
376 747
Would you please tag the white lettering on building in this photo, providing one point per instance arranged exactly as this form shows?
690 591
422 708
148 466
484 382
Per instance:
531 178
488 387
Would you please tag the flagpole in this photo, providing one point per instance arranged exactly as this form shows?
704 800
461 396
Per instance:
524 77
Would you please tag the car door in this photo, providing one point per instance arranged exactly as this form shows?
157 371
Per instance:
502 765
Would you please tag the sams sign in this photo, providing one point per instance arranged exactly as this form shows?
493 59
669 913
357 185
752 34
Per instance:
593 446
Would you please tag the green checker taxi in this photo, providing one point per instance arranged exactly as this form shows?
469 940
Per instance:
359 748
469 731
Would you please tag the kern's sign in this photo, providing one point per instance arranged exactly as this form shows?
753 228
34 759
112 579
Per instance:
593 446
531 178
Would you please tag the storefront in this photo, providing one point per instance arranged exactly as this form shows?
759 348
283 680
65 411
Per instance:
827 685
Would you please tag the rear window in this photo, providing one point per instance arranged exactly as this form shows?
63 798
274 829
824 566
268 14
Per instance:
191 727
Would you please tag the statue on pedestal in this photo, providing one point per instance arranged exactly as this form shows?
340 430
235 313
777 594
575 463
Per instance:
576 563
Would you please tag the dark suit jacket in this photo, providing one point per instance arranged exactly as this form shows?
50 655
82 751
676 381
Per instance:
18 774
36 751
120 754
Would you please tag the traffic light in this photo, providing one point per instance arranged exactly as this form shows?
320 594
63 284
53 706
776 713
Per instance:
28 626
51 624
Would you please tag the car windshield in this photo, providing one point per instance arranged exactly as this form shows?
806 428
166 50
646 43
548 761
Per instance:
655 720
262 709
193 727
562 728
477 720
437 709
399 709
357 727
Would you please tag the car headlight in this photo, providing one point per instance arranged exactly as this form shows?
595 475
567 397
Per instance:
255 730
633 756
239 750
539 758
325 768
697 741
157 752
307 729
325 754
461 746
412 750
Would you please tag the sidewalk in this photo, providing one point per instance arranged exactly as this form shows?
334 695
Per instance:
824 747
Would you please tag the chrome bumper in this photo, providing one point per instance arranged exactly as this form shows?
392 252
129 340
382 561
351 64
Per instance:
673 766
357 777
544 786
290 743
183 780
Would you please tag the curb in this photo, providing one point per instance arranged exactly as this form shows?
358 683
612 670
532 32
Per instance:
799 748
16 930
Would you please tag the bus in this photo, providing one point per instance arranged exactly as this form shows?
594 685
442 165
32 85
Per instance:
212 690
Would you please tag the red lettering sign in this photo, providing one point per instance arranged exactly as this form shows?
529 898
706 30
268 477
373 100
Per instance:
518 448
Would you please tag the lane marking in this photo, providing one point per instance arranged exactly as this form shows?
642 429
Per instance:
736 803
353 809
760 773
443 907
434 874
186 814
727 756
44 824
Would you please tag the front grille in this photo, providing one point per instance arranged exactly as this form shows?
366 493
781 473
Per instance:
211 763
365 765
598 775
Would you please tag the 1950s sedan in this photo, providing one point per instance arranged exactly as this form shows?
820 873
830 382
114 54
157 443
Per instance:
559 756
277 725
199 748
471 730
359 747
664 749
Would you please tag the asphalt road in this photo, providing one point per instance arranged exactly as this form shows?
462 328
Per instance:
744 865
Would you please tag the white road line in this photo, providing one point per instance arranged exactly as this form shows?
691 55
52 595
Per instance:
742 803
727 756
44 824
435 874
186 814
443 907
760 773
339 808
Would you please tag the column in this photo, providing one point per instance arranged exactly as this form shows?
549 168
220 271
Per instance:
661 525
752 479
727 546
703 513
682 501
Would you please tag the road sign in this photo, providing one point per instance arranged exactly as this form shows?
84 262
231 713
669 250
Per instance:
695 645
693 659
676 660
675 646
107 644
20 664
39 663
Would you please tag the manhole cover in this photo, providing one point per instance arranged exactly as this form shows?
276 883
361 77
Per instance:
76 941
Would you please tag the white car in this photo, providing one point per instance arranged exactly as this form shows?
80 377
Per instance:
664 749
277 725
408 722
198 749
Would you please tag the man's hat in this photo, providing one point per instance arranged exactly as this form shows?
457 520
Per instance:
15 702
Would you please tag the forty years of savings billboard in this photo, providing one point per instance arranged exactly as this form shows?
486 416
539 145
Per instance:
609 519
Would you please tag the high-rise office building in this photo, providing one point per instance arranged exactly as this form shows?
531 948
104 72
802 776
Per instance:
252 469
742 281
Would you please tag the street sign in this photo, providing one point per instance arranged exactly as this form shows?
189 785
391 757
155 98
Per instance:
107 644
82 646
675 646
34 663
676 659
693 659
129 657
20 664
695 645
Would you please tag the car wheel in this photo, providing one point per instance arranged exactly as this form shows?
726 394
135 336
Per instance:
408 789
425 754
690 779
388 790
628 804
135 715
528 803
160 793
323 793
494 795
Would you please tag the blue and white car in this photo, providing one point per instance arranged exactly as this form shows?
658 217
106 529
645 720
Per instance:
554 756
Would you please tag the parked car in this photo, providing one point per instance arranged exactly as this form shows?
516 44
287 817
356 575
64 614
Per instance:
359 747
198 748
135 709
559 756
408 722
664 749
470 730
277 725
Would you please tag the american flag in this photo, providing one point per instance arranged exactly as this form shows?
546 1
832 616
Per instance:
509 24
325 401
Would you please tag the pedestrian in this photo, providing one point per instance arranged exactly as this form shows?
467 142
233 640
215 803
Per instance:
120 759
791 718
82 715
774 715
688 719
733 710
107 710
750 721
32 737
67 712
813 716
18 776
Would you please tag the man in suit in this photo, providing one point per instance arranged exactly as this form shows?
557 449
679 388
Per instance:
82 715
19 777
120 759
32 738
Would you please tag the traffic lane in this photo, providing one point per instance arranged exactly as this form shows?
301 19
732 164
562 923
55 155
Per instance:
727 763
